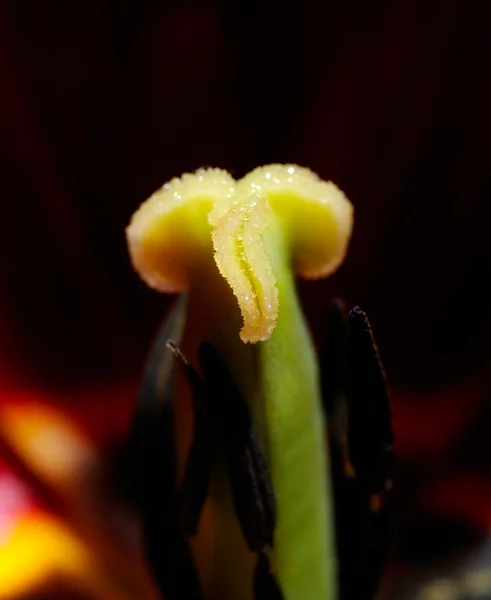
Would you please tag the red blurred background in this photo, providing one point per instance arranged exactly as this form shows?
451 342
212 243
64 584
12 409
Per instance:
103 101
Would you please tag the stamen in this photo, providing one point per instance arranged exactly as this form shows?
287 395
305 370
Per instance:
196 480
252 489
265 585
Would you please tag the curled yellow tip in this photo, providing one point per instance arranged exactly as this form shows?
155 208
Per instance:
169 234
242 260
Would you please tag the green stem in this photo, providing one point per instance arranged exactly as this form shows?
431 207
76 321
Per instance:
304 554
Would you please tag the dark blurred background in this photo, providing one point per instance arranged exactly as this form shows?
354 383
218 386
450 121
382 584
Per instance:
103 101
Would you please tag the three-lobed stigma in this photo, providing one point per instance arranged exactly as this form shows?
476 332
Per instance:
209 212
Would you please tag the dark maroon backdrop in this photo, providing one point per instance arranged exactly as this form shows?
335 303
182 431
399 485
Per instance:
102 101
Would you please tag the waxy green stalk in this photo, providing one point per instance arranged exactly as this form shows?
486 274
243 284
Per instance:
294 432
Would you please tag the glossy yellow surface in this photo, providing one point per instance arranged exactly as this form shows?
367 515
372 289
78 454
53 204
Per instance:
38 548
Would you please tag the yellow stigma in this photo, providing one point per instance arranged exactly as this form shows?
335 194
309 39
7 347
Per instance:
316 216
241 259
188 220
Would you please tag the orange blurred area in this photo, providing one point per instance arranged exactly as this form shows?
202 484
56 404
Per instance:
60 524
36 546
